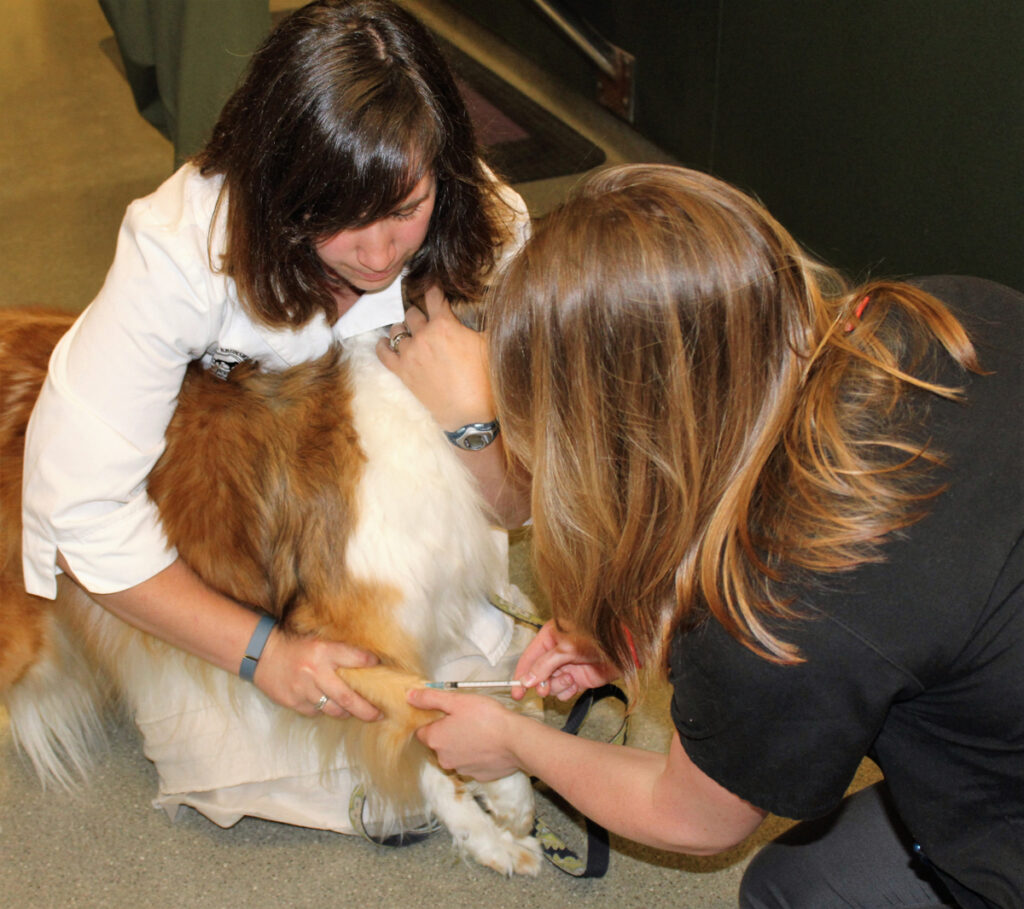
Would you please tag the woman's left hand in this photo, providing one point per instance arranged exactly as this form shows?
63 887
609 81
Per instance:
474 738
561 664
443 363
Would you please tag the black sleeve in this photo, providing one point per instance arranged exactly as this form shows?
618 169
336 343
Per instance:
786 738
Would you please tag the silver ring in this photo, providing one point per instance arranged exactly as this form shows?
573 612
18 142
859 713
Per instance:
322 702
398 338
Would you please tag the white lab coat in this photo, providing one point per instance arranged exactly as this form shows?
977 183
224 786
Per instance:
96 432
98 426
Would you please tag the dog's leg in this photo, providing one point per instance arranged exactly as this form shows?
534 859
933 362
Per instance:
474 832
510 801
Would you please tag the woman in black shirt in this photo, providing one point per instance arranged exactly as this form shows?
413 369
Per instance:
803 498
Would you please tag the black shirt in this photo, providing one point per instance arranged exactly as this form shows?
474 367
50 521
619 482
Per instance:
917 661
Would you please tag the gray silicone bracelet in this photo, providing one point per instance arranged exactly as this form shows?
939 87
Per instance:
254 649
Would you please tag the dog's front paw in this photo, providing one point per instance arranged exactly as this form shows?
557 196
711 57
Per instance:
476 833
503 851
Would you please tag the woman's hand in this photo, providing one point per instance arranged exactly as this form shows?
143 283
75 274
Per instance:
443 363
562 665
474 738
298 671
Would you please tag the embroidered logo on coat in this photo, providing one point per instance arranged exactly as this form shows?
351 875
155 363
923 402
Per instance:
223 360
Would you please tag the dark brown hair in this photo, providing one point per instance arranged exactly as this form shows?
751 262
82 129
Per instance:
343 109
677 376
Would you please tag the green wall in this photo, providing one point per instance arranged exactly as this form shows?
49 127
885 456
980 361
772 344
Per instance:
887 136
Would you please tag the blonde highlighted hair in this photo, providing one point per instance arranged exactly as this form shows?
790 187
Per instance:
705 411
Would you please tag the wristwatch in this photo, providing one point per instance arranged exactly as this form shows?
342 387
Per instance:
474 436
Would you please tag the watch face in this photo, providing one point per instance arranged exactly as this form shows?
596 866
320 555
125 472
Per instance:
474 440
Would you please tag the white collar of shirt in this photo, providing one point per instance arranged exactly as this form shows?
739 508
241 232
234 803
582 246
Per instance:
372 310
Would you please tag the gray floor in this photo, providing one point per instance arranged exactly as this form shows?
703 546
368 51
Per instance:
73 152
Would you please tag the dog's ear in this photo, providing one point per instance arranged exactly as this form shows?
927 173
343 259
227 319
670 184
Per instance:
468 312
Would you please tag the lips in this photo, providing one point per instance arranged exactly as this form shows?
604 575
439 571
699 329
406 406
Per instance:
374 277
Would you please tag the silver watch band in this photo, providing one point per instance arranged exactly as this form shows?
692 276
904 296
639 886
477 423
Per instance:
474 436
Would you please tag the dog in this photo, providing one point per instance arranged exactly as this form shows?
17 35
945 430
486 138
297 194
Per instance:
324 495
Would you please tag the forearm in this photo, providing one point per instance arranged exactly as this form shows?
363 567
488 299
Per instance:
506 494
444 364
663 800
637 794
177 607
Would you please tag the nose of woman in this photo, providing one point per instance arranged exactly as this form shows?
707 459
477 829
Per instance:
375 247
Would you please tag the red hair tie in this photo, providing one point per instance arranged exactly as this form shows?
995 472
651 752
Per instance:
857 313
632 647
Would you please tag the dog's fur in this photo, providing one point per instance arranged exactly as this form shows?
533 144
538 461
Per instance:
324 495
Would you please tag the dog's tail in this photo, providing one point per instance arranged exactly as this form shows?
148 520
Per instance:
55 711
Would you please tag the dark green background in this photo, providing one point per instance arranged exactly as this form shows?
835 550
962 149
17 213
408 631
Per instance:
887 136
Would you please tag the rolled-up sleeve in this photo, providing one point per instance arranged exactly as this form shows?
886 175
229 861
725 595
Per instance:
98 426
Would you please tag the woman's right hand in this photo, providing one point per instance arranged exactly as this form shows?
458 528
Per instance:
562 664
297 671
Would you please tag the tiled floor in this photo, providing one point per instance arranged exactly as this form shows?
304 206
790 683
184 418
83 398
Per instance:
73 153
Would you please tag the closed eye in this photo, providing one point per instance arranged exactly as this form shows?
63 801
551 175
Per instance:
405 214
412 206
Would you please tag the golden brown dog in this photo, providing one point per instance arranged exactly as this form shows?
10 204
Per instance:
323 495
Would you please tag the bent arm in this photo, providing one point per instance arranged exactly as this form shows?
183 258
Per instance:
176 606
98 425
662 800
179 608
97 430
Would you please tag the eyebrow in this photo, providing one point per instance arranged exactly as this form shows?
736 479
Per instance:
415 202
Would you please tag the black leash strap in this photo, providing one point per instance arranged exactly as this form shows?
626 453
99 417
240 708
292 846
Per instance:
356 807
598 851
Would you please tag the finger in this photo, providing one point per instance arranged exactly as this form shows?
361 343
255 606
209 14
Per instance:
398 334
564 688
344 702
436 302
544 666
431 699
415 319
334 709
561 681
349 657
534 650
385 354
